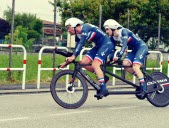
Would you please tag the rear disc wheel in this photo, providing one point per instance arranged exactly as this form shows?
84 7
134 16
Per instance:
160 97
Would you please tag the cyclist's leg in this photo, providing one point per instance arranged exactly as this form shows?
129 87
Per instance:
96 66
100 57
128 61
88 58
138 61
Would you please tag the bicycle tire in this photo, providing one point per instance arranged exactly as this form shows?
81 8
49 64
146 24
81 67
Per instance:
158 98
63 95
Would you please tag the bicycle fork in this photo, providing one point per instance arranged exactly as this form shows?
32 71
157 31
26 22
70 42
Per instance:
78 69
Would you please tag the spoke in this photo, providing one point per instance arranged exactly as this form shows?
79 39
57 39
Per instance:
63 96
76 96
69 98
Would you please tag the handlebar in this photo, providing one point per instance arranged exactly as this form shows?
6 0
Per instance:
63 53
68 54
119 62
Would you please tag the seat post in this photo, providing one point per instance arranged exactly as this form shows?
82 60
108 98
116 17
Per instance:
145 63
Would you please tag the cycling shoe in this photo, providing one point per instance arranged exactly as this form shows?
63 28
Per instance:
142 95
102 93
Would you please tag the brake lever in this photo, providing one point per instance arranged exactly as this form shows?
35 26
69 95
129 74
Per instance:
67 63
119 61
64 65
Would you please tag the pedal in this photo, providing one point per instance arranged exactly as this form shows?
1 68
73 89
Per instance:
98 97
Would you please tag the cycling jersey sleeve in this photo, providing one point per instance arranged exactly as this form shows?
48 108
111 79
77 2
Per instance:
79 46
113 41
76 41
125 37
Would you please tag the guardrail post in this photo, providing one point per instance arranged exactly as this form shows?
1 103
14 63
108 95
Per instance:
40 62
17 69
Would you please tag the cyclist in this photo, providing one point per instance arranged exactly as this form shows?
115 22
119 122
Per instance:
128 39
103 47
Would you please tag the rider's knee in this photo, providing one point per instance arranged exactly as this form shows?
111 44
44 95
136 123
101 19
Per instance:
126 63
96 64
85 60
136 67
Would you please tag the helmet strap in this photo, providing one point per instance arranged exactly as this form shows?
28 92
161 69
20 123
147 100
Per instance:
75 30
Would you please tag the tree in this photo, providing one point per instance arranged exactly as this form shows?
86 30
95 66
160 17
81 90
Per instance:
4 28
26 20
143 14
38 26
21 37
32 34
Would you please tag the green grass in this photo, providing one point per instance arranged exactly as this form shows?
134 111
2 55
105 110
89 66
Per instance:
31 67
47 62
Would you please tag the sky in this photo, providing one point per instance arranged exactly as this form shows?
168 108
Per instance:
41 8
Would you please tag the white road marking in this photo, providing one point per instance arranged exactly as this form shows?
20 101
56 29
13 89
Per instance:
119 108
19 95
42 116
68 113
59 114
14 119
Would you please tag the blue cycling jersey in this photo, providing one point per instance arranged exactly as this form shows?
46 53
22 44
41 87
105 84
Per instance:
90 33
128 38
138 46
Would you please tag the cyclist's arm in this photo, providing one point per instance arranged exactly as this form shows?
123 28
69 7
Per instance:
79 46
111 55
76 41
125 37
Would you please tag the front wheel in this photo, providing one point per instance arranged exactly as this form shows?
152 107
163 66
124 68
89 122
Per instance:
67 94
158 97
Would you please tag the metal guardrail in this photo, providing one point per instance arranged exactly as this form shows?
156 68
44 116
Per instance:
80 57
65 48
40 62
17 69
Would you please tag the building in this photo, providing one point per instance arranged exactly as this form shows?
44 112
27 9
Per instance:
48 28
48 33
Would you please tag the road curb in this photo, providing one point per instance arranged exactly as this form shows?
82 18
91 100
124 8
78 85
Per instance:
47 90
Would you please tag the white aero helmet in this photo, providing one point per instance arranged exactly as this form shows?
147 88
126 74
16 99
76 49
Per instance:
112 24
73 22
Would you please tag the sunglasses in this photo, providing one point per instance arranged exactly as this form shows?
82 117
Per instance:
109 29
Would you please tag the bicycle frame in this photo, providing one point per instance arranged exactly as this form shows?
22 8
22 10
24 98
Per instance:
78 69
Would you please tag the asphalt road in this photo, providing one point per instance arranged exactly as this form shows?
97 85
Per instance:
41 111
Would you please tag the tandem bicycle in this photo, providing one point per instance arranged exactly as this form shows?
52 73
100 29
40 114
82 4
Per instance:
69 88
